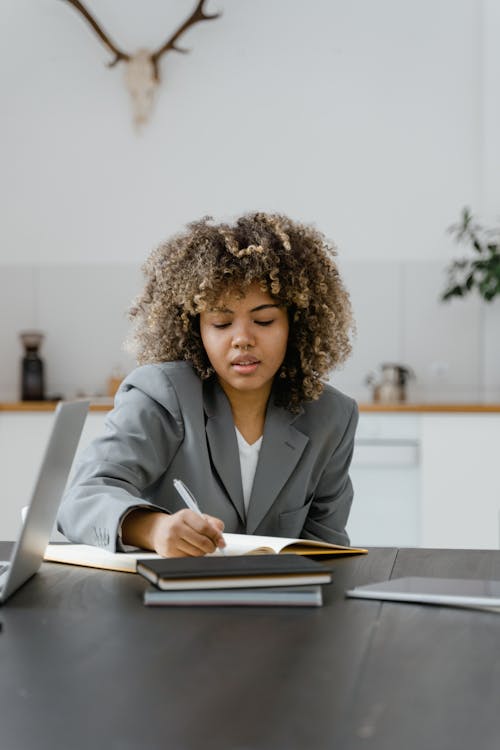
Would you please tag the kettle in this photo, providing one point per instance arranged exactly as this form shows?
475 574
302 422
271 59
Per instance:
391 388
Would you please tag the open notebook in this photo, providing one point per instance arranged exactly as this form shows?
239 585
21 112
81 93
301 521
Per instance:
236 544
248 544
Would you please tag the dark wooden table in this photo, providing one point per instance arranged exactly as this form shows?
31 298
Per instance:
85 666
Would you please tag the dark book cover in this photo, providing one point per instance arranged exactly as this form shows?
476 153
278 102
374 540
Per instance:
232 571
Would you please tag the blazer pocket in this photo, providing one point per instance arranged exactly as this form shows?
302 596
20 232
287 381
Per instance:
292 521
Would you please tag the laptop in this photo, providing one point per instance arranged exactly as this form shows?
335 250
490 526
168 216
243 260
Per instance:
33 538
455 592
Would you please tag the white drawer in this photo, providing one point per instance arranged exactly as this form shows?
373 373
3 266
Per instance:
379 455
388 427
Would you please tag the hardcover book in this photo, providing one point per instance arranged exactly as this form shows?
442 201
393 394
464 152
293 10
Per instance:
282 596
180 573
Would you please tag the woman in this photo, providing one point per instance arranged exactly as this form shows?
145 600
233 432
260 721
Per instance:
234 330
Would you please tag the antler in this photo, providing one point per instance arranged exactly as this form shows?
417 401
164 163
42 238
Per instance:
196 16
142 74
118 53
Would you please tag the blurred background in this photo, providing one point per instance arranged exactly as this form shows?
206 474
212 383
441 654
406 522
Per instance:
375 120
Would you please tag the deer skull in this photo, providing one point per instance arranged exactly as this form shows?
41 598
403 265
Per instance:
142 74
141 83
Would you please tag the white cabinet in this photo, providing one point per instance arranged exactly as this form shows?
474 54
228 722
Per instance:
460 480
386 478
440 487
23 437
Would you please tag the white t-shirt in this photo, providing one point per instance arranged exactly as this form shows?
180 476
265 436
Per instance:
249 456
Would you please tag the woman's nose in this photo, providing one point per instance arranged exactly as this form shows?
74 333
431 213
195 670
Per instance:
242 338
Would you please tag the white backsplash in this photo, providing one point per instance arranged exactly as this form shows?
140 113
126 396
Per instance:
454 347
82 311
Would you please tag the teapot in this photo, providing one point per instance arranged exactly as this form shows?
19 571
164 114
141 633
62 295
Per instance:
391 388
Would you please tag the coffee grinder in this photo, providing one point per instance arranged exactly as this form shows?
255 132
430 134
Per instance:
32 376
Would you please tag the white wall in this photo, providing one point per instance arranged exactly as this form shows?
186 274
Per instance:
375 119
362 116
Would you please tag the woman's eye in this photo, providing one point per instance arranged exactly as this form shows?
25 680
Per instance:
257 322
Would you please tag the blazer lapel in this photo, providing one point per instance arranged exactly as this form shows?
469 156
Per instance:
222 444
282 447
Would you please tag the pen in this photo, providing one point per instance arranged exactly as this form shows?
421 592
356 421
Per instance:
190 500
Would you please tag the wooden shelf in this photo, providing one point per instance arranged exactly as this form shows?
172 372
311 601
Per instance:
374 408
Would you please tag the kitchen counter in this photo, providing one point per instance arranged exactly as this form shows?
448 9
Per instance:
34 406
423 407
430 407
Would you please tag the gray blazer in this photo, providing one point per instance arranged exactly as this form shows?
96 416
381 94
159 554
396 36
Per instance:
167 423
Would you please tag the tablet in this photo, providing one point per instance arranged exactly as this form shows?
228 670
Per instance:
458 592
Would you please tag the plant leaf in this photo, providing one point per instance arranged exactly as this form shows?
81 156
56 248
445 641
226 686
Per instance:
482 272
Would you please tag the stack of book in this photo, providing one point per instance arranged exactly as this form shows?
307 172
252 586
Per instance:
259 580
254 570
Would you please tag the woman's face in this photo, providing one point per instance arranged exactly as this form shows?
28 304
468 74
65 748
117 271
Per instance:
245 340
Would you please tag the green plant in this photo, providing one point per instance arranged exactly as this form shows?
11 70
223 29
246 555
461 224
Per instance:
481 270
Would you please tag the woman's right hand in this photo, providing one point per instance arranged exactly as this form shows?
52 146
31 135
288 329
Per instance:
181 534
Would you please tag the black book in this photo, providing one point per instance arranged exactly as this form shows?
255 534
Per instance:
246 571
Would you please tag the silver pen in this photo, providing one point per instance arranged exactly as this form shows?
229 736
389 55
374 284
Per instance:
190 501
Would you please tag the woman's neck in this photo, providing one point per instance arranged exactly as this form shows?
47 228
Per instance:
249 412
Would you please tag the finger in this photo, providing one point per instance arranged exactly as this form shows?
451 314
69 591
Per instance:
205 526
202 523
206 543
176 546
201 531
185 549
218 522
218 525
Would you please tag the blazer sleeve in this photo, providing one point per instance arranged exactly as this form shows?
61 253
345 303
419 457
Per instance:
114 473
329 510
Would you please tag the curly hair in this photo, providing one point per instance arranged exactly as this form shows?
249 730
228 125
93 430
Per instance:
291 261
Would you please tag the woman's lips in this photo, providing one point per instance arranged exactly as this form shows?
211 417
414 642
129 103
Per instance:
244 366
